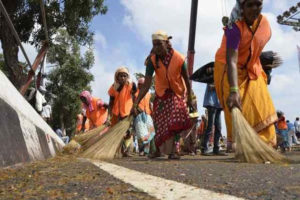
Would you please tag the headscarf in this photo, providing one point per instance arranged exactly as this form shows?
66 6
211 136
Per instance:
236 13
141 80
87 95
122 69
161 35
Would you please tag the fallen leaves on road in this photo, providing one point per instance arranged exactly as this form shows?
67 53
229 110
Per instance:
63 178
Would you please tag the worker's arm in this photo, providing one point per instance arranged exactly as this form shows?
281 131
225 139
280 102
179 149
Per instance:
234 99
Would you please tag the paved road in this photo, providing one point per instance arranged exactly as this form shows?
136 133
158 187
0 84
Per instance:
71 178
225 175
63 178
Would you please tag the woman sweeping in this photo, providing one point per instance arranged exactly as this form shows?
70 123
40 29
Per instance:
239 78
170 113
143 124
96 110
121 95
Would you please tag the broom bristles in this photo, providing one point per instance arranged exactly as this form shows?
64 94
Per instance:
249 146
84 136
92 140
76 143
72 147
109 143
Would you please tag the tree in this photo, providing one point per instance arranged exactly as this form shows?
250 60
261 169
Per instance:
73 15
22 66
70 76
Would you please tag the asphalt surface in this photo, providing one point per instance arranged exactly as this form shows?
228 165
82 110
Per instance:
63 178
225 175
71 178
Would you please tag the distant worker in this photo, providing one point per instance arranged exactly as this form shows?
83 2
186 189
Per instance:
96 110
143 124
121 95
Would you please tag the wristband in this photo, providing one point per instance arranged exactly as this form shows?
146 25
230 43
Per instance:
234 89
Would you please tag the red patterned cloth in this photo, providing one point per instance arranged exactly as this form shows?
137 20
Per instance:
170 115
168 58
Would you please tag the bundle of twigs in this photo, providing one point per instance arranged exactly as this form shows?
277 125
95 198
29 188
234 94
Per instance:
80 138
76 143
72 147
270 60
249 147
108 144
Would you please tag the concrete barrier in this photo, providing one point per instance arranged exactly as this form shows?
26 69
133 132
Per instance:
24 135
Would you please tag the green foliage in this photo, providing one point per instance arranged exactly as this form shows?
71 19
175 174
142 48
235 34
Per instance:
69 77
24 68
74 15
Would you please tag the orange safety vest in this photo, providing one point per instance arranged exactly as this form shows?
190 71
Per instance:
98 116
123 100
169 78
281 124
144 104
250 48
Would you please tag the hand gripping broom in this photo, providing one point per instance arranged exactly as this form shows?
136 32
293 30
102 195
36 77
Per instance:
109 143
249 147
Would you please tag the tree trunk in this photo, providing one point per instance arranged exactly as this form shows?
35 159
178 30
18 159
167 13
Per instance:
10 48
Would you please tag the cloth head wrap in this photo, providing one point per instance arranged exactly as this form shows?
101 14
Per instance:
160 35
120 70
87 95
236 13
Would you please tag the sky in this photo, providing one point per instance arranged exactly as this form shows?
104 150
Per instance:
123 38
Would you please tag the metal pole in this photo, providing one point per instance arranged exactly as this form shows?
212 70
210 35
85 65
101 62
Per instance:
192 35
14 32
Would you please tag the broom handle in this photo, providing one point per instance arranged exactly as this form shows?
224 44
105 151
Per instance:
190 131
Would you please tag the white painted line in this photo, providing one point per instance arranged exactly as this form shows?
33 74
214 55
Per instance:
158 187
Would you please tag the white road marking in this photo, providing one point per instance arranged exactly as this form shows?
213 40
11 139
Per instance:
158 187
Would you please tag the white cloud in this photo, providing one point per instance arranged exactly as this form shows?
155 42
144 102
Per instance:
279 6
145 17
100 40
282 41
105 66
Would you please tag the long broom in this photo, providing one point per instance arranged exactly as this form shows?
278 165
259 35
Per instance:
249 147
89 134
76 143
110 142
